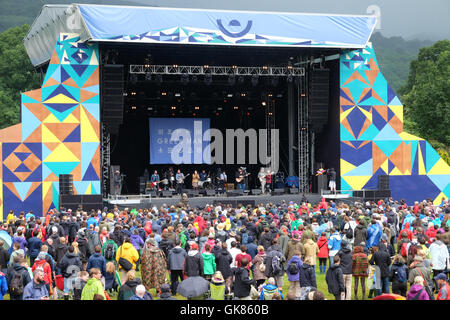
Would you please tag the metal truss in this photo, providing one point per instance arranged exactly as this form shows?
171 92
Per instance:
303 135
218 71
105 159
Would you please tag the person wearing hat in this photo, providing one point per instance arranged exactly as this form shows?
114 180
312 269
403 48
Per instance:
217 288
165 293
154 267
442 286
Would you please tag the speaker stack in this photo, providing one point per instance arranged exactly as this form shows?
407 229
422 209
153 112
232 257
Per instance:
320 85
383 182
65 184
256 192
112 96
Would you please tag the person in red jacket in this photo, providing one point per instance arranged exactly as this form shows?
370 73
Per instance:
407 230
42 264
322 243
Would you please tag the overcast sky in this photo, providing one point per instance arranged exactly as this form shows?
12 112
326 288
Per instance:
422 19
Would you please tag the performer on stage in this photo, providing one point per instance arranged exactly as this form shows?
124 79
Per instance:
171 177
222 177
269 180
332 178
240 179
155 179
180 181
117 182
262 179
203 175
195 178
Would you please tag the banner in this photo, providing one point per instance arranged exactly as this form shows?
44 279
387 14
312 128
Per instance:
179 140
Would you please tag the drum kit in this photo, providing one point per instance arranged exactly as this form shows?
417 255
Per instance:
206 184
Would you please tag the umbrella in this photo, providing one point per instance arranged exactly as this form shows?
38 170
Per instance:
6 239
389 296
193 287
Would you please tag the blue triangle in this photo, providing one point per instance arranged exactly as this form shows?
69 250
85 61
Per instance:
22 188
64 74
432 157
22 155
90 174
440 180
388 146
79 68
29 122
391 166
387 133
74 136
364 169
61 116
22 168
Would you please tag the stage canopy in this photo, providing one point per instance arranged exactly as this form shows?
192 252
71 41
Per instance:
195 26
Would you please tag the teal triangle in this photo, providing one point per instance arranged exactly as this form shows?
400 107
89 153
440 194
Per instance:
413 145
345 185
29 123
440 180
387 146
387 133
93 190
431 157
61 167
22 188
369 133
345 135
26 99
55 193
61 116
94 99
364 169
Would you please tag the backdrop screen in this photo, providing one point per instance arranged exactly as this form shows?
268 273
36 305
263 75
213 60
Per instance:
179 140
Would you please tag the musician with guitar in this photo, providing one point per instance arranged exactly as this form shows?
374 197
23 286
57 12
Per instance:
262 179
180 181
240 178
154 180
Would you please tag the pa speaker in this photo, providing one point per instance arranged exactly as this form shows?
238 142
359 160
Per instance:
112 96
65 184
293 190
167 193
320 85
383 182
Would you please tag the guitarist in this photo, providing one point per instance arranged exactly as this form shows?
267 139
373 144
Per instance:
180 181
240 175
155 179
262 179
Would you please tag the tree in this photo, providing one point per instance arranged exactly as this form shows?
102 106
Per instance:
16 74
426 96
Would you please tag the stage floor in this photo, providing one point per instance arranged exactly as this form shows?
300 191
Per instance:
201 201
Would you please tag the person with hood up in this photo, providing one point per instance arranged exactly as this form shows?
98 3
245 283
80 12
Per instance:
360 272
223 262
36 289
93 285
34 246
335 279
293 271
334 244
294 245
374 233
70 265
407 229
345 255
398 275
154 267
175 262
360 232
130 254
308 274
274 263
417 290
322 244
243 285
193 264
209 263
41 264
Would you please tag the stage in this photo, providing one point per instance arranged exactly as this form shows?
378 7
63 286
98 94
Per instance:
146 201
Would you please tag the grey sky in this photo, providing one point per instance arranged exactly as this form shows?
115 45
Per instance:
408 18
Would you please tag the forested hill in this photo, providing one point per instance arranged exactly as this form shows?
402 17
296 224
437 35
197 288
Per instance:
394 54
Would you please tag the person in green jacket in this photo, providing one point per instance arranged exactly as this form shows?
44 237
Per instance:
93 285
105 245
209 262
181 235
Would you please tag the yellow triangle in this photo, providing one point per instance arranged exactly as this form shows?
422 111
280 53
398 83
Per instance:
385 166
88 190
60 98
357 182
61 154
396 172
346 167
46 186
422 170
441 167
345 113
48 136
406 136
438 199
71 119
87 132
398 111
51 119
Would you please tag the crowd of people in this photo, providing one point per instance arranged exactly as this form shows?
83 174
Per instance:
384 247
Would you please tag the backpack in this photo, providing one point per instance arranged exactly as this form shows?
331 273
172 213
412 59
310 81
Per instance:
262 267
276 266
109 251
401 273
349 233
293 268
403 252
16 285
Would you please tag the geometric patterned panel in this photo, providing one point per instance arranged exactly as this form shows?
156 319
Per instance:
373 142
60 131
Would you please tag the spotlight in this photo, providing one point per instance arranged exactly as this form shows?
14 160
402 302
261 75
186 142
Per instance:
219 108
133 107
173 107
164 93
197 108
150 108
177 94
243 94
133 93
235 107
230 95
263 103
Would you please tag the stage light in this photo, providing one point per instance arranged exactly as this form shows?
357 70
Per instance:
243 94
133 93
164 93
248 114
250 108
173 114
197 108
270 114
133 107
303 129
206 66
147 60
173 108
230 95
177 94
150 108
217 114
235 107
263 103
270 95
234 67
219 108
255 79
303 94
265 67
175 66
194 114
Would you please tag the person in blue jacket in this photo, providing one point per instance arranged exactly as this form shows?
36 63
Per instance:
374 233
3 285
34 245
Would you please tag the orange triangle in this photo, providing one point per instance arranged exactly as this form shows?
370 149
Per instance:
76 113
71 83
22 175
54 59
77 173
96 161
396 124
93 79
22 148
363 94
382 110
372 75
373 65
52 177
61 130
401 157
376 96
34 94
48 199
349 144
347 126
378 157
75 148
11 187
50 82
38 110
51 145
349 94
355 76
86 95
35 136
11 134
